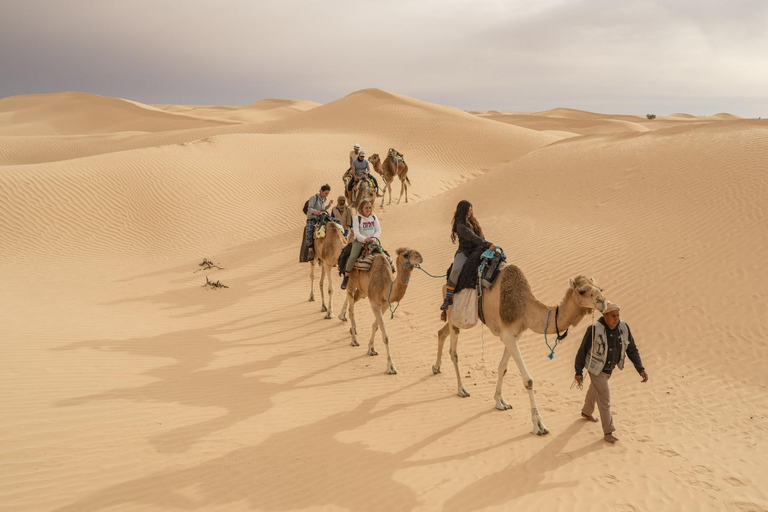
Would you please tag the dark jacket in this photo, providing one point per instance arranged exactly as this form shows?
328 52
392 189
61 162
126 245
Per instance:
614 350
469 240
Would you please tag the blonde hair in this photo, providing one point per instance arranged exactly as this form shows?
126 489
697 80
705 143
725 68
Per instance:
365 202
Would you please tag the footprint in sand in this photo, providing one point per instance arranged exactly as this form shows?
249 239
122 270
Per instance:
608 479
735 482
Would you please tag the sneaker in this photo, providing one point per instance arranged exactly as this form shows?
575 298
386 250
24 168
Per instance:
447 302
344 283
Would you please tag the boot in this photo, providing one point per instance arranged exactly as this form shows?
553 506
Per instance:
344 282
448 298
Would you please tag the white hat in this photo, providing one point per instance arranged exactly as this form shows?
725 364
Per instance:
362 153
357 146
610 306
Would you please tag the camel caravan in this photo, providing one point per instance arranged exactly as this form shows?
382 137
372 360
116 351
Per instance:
481 287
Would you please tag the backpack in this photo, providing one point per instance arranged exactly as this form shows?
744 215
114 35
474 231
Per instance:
306 207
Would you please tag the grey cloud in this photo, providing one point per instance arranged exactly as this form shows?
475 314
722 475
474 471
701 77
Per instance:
527 55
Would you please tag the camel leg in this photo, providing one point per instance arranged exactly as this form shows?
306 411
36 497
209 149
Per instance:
329 272
378 313
402 189
501 404
462 392
374 330
384 192
343 314
352 327
441 335
312 280
510 342
322 290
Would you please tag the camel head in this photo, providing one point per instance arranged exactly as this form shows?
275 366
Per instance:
588 295
376 163
407 257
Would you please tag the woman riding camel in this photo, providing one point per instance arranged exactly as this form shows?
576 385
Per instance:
467 229
367 230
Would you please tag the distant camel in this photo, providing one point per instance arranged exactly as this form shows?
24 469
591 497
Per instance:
382 289
509 309
389 169
327 251
365 191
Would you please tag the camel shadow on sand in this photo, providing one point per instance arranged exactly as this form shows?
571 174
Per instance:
302 467
242 390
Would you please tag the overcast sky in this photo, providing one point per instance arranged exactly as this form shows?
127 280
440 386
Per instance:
628 56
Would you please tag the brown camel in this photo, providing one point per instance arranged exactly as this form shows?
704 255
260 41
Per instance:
365 192
510 309
388 170
327 251
382 289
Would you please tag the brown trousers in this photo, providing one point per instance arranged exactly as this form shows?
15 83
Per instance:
599 393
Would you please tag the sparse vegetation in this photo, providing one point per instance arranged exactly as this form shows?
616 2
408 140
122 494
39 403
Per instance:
650 116
214 284
207 265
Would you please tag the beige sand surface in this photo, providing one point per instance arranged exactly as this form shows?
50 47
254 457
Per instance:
128 386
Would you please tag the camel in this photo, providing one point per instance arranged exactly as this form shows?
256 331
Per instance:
365 191
388 170
327 251
382 289
510 309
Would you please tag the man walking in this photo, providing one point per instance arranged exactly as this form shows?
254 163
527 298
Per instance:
316 205
605 345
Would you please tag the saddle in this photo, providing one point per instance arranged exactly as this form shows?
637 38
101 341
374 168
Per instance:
364 263
323 220
395 157
481 267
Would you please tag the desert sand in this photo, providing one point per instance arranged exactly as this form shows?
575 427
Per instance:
129 386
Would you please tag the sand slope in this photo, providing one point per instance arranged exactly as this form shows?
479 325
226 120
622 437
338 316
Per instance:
75 113
128 386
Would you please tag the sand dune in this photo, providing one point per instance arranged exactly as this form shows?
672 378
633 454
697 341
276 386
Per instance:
130 387
75 113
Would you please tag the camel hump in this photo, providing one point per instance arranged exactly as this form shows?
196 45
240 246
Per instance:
514 291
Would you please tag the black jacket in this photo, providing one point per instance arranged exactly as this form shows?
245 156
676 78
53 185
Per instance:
468 240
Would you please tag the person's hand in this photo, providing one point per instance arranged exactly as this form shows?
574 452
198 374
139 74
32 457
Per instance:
493 247
644 376
330 203
368 240
580 379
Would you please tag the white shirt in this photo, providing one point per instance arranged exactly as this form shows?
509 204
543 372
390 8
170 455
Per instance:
366 227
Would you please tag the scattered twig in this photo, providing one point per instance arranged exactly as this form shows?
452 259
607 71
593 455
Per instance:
214 284
207 265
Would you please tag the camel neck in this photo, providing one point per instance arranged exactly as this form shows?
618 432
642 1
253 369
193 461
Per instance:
568 315
401 283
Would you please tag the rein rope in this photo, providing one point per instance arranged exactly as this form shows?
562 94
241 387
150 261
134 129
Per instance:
560 337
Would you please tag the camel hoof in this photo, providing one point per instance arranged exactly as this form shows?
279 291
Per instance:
354 343
372 352
435 369
542 432
463 393
503 406
392 371
311 298
342 318
323 309
328 316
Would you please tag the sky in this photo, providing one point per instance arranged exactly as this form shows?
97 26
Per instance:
630 56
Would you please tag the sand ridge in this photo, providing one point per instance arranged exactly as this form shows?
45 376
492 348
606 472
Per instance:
131 387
